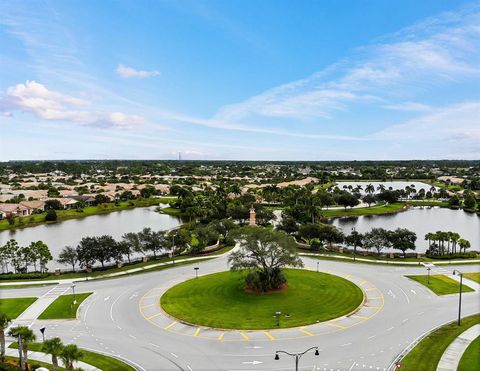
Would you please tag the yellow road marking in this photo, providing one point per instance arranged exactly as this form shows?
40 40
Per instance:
337 326
348 276
170 325
148 305
151 296
371 288
155 315
362 283
269 335
220 337
197 331
368 306
306 332
376 297
244 336
361 317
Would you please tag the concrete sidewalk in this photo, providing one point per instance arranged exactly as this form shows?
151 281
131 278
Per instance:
47 358
452 355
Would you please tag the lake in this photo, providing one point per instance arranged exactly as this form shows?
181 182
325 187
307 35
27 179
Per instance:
70 232
393 184
421 221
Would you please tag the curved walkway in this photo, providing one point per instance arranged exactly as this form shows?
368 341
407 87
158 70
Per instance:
453 354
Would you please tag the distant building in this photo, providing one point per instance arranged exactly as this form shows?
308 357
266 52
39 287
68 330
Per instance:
252 216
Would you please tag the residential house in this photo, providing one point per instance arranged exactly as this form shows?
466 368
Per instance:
34 205
15 210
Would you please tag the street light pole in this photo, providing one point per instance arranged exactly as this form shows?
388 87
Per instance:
317 266
297 356
42 330
354 242
428 275
74 297
460 296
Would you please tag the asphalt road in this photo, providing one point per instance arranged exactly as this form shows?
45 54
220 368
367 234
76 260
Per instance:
123 318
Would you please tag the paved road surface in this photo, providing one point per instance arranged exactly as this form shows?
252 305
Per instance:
122 317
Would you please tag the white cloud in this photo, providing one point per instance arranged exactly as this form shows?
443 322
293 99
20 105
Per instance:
33 97
129 72
415 59
409 106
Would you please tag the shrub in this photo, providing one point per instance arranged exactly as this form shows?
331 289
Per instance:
22 276
51 216
467 255
257 281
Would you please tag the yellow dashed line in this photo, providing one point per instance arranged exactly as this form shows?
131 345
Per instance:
362 283
197 331
348 276
220 337
370 289
155 315
306 332
368 306
244 336
337 326
148 305
361 317
151 296
375 297
269 335
170 325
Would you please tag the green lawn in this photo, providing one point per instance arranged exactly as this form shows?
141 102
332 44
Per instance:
36 219
374 210
14 362
426 355
440 284
63 306
219 300
13 307
98 360
471 358
473 276
170 211
7 287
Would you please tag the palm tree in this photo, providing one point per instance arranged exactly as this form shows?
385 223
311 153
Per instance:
370 188
464 244
27 336
4 322
54 347
69 355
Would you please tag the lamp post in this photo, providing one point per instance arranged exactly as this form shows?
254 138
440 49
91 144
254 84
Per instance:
460 296
278 314
196 271
317 266
42 330
73 290
428 275
296 355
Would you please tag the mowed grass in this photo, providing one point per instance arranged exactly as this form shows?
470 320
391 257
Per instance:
13 307
64 307
471 357
475 276
100 361
440 284
426 355
219 300
373 210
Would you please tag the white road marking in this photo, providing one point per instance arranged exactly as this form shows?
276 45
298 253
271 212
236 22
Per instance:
413 291
252 363
254 347
108 297
132 336
390 293
189 368
346 344
391 328
173 354
371 337
405 320
154 345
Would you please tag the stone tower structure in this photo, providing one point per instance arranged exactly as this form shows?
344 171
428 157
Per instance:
252 216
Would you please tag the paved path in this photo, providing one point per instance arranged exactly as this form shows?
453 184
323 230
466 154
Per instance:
453 354
47 358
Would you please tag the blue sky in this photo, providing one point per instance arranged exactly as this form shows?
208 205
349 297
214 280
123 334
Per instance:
237 79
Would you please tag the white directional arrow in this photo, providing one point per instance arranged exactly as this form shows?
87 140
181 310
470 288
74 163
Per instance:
413 291
390 292
133 296
108 297
252 363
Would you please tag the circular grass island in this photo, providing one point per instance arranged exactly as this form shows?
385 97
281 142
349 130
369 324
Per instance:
220 300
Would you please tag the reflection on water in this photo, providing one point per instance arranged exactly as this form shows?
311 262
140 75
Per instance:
70 232
421 221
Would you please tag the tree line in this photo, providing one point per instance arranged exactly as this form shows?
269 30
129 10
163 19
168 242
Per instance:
20 258
445 243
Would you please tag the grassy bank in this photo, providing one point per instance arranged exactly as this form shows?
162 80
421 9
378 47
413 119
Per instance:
475 276
426 355
65 306
471 357
97 360
13 307
440 284
62 215
220 300
374 210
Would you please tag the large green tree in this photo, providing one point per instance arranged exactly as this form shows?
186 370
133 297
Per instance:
265 252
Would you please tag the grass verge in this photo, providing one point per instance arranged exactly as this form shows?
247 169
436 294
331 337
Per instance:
471 357
13 307
219 300
97 360
64 306
426 355
475 276
9 287
374 210
13 364
440 284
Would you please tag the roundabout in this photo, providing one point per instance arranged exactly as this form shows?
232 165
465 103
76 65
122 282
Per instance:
221 301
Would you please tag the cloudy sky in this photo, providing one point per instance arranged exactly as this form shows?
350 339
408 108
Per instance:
240 79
